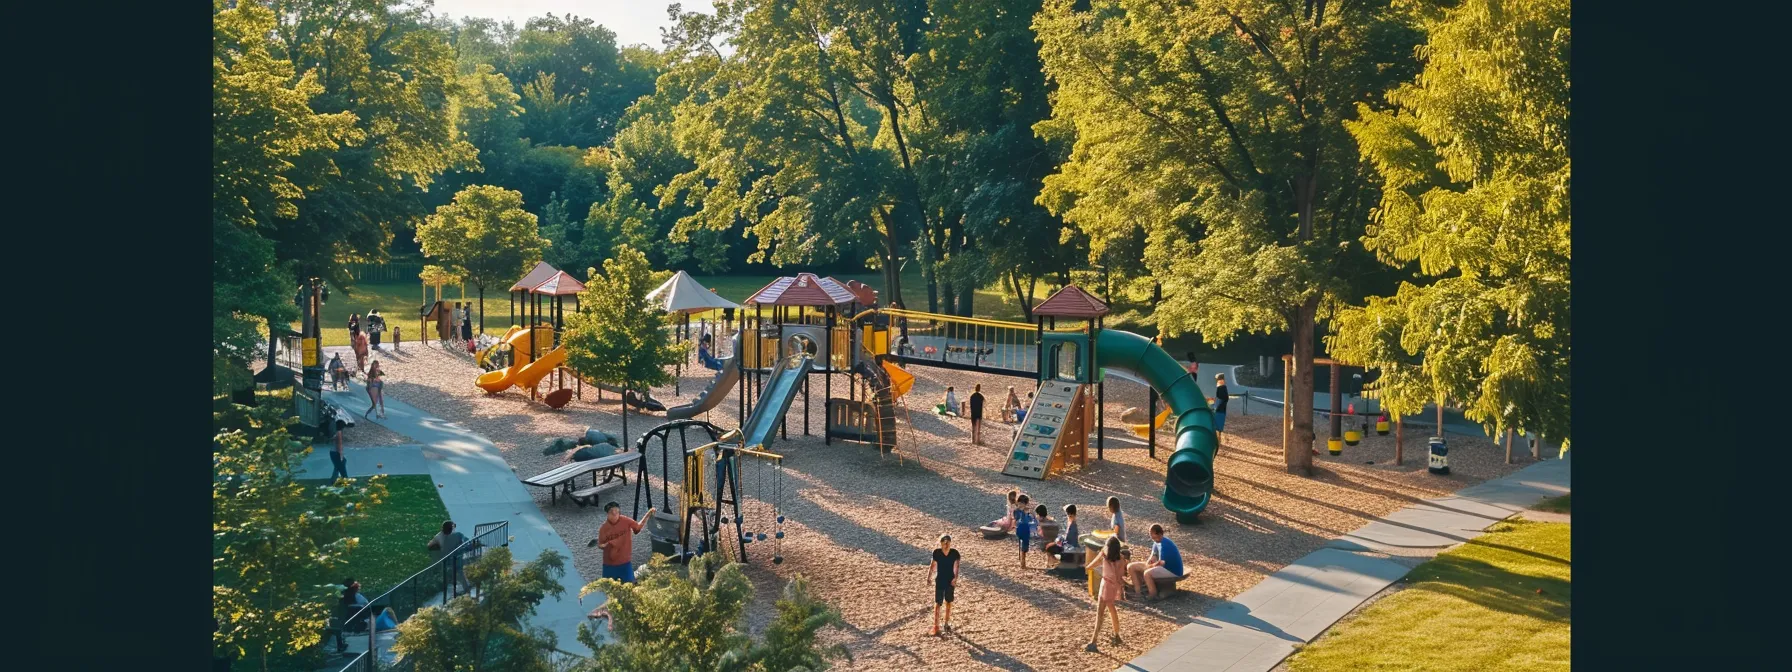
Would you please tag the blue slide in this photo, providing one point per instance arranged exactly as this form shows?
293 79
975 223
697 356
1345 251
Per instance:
774 399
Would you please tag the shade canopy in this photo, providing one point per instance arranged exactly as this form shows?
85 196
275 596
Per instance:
1072 301
683 294
803 289
559 284
866 295
538 275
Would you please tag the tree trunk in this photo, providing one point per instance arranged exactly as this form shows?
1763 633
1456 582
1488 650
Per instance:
933 287
892 265
1299 453
948 298
966 293
481 310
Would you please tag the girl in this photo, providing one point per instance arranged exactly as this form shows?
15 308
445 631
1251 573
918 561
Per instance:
354 326
1116 518
1112 583
359 345
950 406
1006 522
1011 405
376 393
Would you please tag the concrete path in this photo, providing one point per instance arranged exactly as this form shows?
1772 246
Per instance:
392 460
477 486
1256 630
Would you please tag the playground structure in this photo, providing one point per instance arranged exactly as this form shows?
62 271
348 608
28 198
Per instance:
537 325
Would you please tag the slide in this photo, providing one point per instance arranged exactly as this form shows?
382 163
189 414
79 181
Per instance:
518 340
900 381
1189 482
774 399
1145 430
717 390
532 373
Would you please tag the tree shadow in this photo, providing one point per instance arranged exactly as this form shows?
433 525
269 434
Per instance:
1496 588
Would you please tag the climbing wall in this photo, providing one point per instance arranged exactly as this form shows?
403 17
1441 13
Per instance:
1031 454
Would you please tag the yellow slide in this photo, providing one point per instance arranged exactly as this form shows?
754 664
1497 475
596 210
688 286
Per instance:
1145 430
518 340
900 380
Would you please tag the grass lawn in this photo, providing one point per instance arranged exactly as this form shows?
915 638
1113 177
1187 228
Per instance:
391 549
1555 504
1500 602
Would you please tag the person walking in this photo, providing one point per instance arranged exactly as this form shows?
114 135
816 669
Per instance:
359 345
354 326
449 541
338 461
466 323
1221 396
1113 584
944 570
977 414
376 391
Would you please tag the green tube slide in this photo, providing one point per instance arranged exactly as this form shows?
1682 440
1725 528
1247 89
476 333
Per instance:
1188 485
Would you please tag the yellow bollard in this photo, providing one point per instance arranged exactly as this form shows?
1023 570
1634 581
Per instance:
1351 437
1335 446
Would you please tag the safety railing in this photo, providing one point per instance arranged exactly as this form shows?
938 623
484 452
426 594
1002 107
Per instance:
443 580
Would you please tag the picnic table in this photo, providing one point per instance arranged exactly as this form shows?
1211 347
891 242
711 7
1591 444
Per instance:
563 477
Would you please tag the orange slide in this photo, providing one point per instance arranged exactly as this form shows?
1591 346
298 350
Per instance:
527 370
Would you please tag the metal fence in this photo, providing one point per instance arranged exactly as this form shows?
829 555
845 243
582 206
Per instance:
388 272
438 583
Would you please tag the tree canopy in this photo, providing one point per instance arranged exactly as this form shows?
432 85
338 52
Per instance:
486 234
617 335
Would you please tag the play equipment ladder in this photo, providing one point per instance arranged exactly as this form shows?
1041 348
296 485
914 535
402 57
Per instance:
1054 431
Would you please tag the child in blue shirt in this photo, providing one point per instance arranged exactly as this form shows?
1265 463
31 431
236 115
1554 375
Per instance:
1023 527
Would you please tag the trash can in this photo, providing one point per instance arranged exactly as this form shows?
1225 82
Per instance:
1381 425
1440 456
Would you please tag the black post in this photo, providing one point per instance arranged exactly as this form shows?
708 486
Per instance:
1151 419
1101 389
827 385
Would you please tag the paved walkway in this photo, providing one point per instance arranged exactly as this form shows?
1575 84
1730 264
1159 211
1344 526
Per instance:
477 486
1256 630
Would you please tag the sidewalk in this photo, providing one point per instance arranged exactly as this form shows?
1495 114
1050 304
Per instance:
1254 631
477 486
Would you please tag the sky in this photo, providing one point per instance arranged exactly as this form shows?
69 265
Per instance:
634 21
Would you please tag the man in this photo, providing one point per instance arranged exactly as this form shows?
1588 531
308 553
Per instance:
466 323
616 538
376 325
1165 562
445 542
977 414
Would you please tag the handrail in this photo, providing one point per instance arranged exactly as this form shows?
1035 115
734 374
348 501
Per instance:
503 530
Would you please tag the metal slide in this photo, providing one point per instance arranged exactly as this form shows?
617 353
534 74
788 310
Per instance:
717 390
774 399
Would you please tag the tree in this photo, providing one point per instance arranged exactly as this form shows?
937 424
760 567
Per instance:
1475 157
269 531
261 122
671 620
486 234
617 335
485 633
1218 128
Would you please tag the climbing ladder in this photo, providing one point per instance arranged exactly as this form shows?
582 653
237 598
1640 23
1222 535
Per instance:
1055 433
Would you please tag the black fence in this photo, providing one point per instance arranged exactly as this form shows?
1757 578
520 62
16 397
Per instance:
438 583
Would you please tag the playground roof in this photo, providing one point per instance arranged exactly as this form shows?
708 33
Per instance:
539 275
1072 301
866 295
803 289
683 294
560 284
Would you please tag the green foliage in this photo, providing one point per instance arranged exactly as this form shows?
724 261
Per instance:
486 633
617 335
486 233
1475 157
269 530
1218 129
671 620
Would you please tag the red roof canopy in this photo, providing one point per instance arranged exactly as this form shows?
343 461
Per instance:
538 275
1072 301
866 295
560 284
804 289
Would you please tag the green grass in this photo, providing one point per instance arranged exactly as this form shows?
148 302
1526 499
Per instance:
1500 602
391 549
1555 504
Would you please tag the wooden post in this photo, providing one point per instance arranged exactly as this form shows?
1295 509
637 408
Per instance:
1399 441
1440 419
1508 446
1287 415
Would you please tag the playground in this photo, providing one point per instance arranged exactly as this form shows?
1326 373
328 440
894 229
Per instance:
859 517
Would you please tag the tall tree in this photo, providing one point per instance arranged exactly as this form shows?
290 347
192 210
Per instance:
617 335
267 529
670 621
487 633
486 233
262 122
1218 127
1475 159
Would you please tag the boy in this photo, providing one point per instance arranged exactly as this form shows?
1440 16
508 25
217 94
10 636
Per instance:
1067 538
617 539
944 570
1023 528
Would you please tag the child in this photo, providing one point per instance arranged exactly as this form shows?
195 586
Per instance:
1113 582
1023 528
950 405
1010 406
944 570
1006 522
1046 526
1066 537
1116 519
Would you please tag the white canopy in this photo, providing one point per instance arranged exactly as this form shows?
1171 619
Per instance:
683 294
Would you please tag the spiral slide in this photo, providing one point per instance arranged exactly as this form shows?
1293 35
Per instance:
1188 485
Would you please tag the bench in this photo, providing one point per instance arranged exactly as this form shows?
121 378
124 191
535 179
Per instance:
615 468
562 477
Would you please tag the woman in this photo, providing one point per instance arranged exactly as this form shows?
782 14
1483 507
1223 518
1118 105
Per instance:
1113 577
1010 406
354 326
466 322
359 345
351 596
376 393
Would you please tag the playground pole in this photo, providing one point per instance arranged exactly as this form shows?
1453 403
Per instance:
1399 441
1337 401
1151 419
